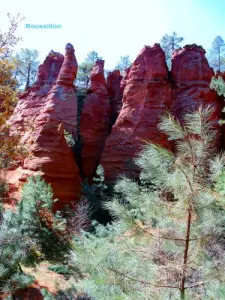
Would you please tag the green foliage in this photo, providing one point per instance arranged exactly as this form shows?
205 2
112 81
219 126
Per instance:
13 252
14 246
96 193
10 150
3 187
26 67
123 63
220 188
216 55
157 247
84 70
64 295
39 223
69 139
218 85
60 269
170 42
66 269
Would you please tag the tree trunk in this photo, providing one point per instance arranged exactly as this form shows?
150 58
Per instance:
183 276
28 77
219 60
173 45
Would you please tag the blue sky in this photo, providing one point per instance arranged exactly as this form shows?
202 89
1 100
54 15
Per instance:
114 27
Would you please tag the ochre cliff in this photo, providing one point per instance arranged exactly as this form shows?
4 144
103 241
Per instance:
149 90
146 95
95 121
40 116
192 75
115 92
133 104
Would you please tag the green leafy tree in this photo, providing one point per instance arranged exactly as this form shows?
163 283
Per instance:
10 150
157 246
26 67
170 42
84 70
123 63
9 38
216 55
8 93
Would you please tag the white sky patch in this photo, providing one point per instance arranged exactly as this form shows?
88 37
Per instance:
114 28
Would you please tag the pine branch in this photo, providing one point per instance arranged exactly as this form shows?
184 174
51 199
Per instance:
142 281
195 285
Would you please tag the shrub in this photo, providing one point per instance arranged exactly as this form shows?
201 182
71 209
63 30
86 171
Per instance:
39 223
14 247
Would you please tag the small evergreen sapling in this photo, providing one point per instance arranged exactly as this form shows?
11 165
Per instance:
158 245
96 193
14 247
38 222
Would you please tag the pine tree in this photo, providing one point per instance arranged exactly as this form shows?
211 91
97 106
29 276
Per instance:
37 221
170 42
123 63
95 194
84 70
158 244
216 55
14 247
26 67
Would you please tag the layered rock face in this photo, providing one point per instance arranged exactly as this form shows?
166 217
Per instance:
146 95
40 116
115 92
148 92
124 80
95 121
192 75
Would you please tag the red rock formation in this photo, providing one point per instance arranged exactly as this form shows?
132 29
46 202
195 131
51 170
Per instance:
192 75
124 79
95 121
115 93
146 95
41 114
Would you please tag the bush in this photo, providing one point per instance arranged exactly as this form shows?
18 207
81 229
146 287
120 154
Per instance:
96 193
39 223
14 247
